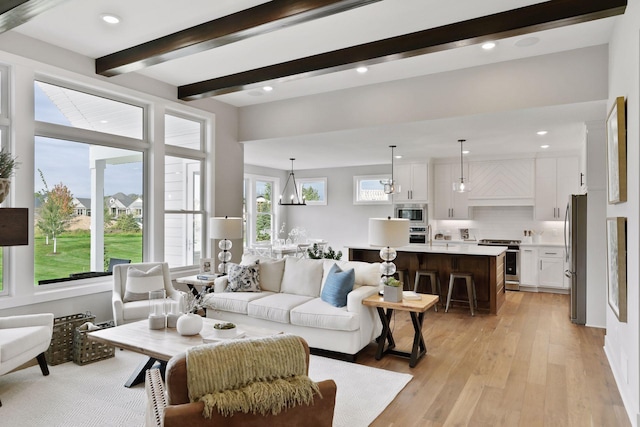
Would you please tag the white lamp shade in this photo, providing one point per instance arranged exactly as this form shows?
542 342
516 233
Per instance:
225 228
392 232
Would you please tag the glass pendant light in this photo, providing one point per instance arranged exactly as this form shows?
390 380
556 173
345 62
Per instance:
461 186
390 186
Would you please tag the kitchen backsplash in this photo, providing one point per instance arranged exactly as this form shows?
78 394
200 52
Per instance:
504 222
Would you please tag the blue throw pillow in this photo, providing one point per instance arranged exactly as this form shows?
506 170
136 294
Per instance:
338 284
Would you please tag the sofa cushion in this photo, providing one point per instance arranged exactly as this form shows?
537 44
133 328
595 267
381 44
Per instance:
366 273
318 314
337 285
140 283
302 277
271 271
275 307
235 302
243 278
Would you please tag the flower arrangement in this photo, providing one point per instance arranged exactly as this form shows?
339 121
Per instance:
191 302
8 164
314 252
392 281
298 235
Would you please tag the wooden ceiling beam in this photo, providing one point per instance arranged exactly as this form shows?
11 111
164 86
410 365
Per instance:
261 19
515 22
17 12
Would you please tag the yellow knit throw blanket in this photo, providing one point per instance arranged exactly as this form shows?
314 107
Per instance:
261 375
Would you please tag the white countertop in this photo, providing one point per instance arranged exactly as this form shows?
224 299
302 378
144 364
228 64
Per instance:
454 248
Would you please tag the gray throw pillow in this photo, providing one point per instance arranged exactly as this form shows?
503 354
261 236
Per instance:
243 278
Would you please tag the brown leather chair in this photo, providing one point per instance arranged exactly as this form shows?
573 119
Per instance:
178 411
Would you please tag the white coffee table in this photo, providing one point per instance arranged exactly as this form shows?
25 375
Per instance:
160 344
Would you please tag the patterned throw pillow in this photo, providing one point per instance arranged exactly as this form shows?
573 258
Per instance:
140 283
243 278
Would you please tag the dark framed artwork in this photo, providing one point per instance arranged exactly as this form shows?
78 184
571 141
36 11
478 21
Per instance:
617 153
617 266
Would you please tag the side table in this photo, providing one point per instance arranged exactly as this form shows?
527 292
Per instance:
416 309
192 282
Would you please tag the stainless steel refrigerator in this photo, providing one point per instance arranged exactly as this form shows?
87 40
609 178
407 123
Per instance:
575 242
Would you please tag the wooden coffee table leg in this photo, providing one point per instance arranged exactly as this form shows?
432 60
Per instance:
138 375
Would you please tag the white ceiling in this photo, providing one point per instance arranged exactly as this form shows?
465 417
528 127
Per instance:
144 20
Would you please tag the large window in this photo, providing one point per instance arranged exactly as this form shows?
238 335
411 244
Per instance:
259 210
4 143
183 201
89 190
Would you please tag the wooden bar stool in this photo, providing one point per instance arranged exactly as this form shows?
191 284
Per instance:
471 290
436 289
403 276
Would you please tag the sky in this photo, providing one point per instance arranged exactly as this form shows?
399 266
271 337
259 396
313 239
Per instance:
68 162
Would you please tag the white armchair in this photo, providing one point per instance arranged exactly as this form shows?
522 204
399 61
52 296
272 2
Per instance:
148 276
23 338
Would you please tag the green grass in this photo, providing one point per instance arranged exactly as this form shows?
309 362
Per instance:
73 253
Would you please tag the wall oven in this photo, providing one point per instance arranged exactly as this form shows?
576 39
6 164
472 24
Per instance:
415 213
511 261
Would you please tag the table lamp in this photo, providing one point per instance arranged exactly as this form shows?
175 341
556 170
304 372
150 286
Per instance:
388 233
225 229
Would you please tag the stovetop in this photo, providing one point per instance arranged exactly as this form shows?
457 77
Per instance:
499 242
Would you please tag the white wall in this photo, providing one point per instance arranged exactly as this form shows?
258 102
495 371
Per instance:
621 341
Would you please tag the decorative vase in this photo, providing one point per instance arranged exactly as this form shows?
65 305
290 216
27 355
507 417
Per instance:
4 188
392 293
189 324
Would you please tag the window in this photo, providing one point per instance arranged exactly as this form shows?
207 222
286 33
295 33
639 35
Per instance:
183 187
89 197
4 143
313 190
259 214
369 190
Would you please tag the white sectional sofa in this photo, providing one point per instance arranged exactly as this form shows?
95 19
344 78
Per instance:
290 301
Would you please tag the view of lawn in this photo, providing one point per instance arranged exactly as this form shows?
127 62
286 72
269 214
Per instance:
74 253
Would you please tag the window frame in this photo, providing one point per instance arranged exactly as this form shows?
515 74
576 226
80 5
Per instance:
252 208
357 179
323 180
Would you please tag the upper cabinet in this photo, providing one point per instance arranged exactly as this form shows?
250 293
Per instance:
502 182
449 204
556 179
413 180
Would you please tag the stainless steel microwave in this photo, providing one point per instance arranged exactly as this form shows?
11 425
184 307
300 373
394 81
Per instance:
415 213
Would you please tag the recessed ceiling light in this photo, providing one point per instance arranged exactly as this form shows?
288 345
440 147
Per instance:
362 70
104 121
466 152
398 156
542 132
527 41
267 88
488 45
544 146
110 18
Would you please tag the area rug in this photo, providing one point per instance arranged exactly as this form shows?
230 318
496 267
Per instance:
94 394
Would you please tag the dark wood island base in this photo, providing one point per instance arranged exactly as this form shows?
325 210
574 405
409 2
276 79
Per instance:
487 270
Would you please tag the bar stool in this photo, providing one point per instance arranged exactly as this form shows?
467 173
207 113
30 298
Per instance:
471 290
403 276
436 289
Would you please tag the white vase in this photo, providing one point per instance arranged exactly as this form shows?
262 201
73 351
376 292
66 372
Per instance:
189 324
4 188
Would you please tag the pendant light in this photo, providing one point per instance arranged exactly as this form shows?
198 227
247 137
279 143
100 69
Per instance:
293 199
461 186
390 186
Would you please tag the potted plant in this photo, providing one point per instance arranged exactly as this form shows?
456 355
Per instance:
392 290
224 330
8 165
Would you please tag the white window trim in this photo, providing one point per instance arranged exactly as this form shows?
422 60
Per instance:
252 207
301 181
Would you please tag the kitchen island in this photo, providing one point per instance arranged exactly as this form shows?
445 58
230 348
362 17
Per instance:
485 262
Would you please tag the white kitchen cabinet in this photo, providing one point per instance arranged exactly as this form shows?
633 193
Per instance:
551 267
413 180
502 182
449 204
556 179
528 266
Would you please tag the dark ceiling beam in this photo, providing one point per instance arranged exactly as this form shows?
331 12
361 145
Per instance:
17 12
529 19
261 19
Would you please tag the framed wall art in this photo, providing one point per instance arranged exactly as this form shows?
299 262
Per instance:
617 153
617 266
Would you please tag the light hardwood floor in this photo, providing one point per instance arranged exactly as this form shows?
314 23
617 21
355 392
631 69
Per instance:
527 366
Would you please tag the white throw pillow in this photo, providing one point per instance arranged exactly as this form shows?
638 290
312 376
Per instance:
302 277
140 283
271 271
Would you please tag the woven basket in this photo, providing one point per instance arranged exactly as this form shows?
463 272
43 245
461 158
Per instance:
87 351
61 348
